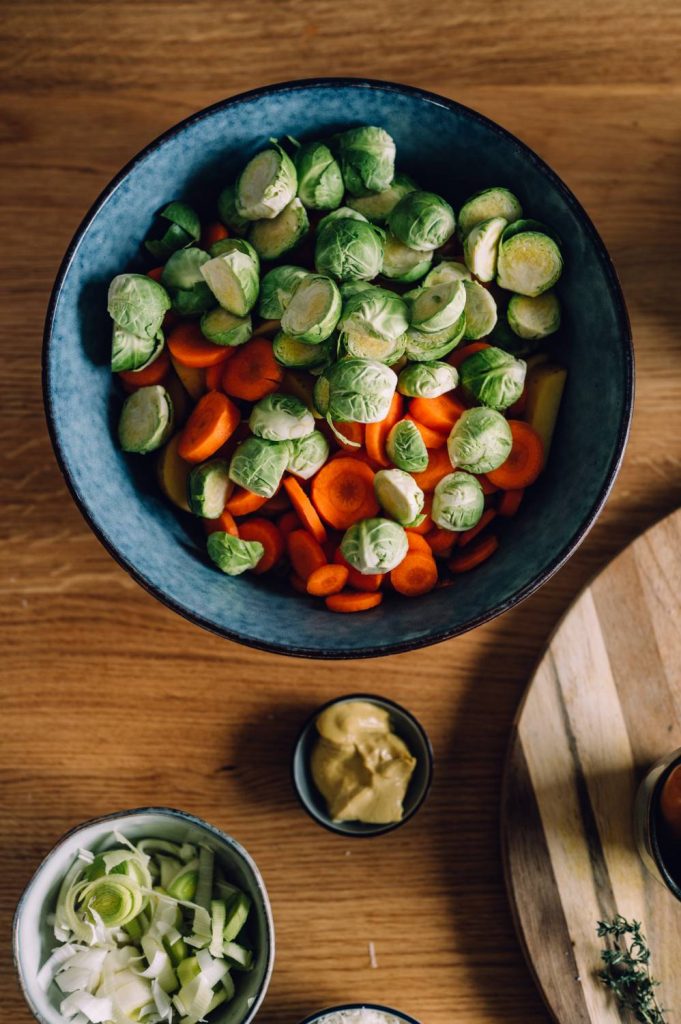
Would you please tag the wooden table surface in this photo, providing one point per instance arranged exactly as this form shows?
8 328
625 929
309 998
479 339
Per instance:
111 701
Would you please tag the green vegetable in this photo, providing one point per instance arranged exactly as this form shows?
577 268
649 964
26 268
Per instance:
378 205
237 956
183 229
259 464
223 328
503 337
481 246
307 455
359 390
350 288
182 276
422 220
237 911
146 420
422 347
272 238
626 970
233 277
494 377
367 159
368 346
208 487
536 317
276 289
374 545
427 380
280 417
399 495
267 184
320 183
401 263
527 224
233 555
227 212
314 309
322 392
405 447
301 354
458 502
529 263
128 352
376 312
437 308
342 213
481 311
349 249
447 270
137 304
480 441
183 885
491 202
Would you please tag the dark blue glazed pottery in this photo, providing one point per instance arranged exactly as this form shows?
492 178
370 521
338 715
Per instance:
447 148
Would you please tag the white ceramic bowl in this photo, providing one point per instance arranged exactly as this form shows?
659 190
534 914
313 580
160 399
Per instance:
34 939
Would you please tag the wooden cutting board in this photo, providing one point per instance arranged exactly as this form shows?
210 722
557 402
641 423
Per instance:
602 706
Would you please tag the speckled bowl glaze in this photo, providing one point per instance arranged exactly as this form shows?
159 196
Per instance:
404 725
33 937
447 148
316 1018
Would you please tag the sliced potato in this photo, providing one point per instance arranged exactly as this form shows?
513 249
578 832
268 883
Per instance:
193 379
544 389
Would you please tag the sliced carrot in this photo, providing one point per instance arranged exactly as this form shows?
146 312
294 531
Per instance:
368 582
354 433
297 584
223 524
418 543
466 536
471 557
437 413
415 575
343 492
211 234
487 486
278 503
154 373
304 509
427 523
510 502
441 542
351 601
524 464
305 552
328 579
439 466
460 355
155 273
355 453
188 345
376 433
253 372
269 536
288 523
431 438
213 419
243 502
213 376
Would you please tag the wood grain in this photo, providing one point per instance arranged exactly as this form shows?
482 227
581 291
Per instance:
602 707
109 700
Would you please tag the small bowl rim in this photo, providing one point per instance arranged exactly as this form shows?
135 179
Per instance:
498 608
653 826
371 831
170 812
359 1006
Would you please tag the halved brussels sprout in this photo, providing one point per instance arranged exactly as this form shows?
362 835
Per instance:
427 380
266 185
480 441
447 270
233 276
208 487
307 455
299 354
146 420
536 317
233 555
138 304
359 390
321 392
458 502
399 495
405 447
494 377
422 220
374 545
258 465
491 202
349 288
503 337
314 309
272 238
224 328
128 352
368 346
227 211
527 224
349 249
183 228
183 269
276 289
529 263
367 159
437 308
481 246
374 311
377 206
481 311
401 263
422 347
280 417
320 183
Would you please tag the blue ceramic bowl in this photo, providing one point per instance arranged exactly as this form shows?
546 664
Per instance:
448 148
34 937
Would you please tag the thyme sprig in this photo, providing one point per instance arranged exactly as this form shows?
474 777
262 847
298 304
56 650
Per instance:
626 970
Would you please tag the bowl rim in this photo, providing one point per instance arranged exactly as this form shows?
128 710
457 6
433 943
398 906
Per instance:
653 821
170 812
358 1006
377 830
623 428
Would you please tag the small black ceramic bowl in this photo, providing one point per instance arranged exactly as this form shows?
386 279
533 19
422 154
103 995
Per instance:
658 848
403 725
317 1018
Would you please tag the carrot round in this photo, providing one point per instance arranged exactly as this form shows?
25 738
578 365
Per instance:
154 373
269 536
351 601
415 575
214 373
212 233
510 502
224 524
471 557
252 372
213 420
354 433
487 486
188 345
343 492
305 510
441 541
328 579
439 465
305 552
525 462
426 524
431 438
288 523
369 582
460 355
437 413
243 502
417 542
156 273
376 433
466 536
